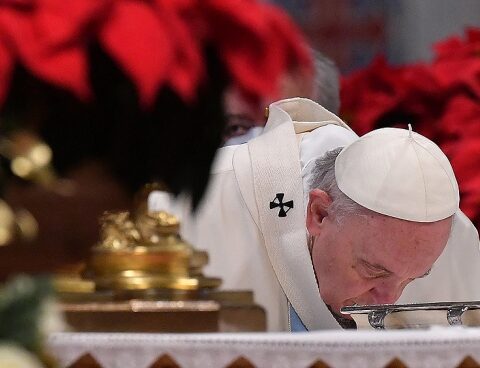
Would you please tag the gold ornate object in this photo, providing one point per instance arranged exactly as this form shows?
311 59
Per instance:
16 225
30 158
140 201
146 253
142 277
7 223
68 283
67 280
26 225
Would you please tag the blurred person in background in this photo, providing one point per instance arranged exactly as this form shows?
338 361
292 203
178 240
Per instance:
246 119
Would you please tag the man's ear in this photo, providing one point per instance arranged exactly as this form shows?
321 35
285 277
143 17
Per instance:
317 210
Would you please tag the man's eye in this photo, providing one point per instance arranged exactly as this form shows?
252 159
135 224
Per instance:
373 272
238 129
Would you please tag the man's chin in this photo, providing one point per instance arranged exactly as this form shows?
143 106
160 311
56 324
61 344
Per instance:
345 322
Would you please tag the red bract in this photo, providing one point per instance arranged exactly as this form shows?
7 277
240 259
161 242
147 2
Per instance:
461 118
138 40
379 91
456 48
465 162
187 70
440 99
452 75
257 44
457 63
6 64
45 36
155 43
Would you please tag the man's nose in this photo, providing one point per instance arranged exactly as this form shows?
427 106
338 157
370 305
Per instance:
386 293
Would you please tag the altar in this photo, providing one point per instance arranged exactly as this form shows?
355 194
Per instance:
436 348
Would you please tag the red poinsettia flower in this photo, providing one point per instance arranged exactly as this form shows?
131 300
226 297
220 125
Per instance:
379 92
155 43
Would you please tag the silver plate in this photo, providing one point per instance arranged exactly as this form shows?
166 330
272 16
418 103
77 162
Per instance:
423 315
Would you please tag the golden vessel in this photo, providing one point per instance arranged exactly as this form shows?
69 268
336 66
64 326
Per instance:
146 253
142 277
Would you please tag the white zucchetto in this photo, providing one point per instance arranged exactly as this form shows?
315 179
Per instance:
399 173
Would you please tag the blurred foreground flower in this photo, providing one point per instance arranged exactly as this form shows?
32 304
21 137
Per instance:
27 315
13 356
138 86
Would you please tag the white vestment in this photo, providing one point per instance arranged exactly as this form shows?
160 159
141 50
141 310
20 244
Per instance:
252 247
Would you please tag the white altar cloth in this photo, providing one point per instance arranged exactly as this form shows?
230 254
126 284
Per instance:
437 347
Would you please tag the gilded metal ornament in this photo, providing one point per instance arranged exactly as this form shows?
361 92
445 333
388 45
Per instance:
146 253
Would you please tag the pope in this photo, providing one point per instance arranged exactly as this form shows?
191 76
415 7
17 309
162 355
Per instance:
314 218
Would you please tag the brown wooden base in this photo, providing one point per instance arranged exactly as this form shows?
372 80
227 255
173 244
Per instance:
217 312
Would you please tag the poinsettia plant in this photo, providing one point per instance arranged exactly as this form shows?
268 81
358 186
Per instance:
156 42
139 85
441 99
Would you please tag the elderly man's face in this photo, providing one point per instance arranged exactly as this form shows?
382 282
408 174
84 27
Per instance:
369 259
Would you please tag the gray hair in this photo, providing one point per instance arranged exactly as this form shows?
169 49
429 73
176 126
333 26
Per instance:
327 82
323 177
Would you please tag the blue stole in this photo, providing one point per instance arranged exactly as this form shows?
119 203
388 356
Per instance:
296 324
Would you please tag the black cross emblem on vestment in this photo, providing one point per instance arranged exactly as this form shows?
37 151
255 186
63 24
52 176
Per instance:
278 202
